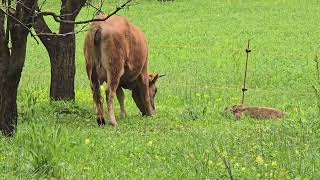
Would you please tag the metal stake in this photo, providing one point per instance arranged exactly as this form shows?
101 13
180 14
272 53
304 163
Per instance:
245 72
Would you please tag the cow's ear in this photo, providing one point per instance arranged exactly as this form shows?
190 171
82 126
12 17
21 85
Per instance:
153 78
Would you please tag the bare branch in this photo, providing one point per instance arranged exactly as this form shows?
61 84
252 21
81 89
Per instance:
98 9
7 34
58 18
42 4
18 2
62 34
18 21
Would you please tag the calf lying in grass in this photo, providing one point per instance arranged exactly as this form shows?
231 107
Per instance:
255 112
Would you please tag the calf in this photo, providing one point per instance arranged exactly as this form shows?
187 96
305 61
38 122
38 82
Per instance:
255 112
116 52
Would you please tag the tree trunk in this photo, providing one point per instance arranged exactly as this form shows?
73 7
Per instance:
12 61
62 59
61 50
10 74
8 104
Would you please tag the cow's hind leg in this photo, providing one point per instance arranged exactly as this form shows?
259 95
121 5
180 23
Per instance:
120 96
95 87
110 93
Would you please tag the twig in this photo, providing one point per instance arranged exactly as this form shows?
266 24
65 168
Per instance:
18 2
8 24
58 18
98 10
64 34
317 68
42 4
18 21
226 164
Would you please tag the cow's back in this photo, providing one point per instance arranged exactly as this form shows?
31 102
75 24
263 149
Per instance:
124 45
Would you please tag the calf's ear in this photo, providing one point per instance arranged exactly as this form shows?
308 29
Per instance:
153 78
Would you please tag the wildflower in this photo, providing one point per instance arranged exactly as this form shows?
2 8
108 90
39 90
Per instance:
306 146
3 158
274 163
87 141
259 160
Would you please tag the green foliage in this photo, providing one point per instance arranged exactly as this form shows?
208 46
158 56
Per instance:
200 46
44 144
27 104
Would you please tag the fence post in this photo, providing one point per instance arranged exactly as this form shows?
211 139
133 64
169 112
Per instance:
244 88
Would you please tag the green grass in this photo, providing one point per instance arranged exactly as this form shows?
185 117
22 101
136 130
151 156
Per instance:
200 46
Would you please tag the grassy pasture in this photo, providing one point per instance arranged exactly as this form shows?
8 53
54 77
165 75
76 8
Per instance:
200 46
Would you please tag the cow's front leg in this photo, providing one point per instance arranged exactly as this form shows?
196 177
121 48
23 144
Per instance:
120 96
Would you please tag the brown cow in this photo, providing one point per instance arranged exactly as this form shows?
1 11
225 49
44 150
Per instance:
116 52
255 112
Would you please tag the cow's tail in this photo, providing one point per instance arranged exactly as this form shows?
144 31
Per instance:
97 43
97 37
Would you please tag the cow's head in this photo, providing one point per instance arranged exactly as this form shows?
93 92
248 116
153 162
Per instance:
136 94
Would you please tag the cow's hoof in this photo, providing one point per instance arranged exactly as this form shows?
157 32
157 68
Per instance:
113 124
123 115
101 122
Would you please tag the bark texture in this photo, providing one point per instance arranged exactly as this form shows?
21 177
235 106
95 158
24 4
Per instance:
12 60
61 50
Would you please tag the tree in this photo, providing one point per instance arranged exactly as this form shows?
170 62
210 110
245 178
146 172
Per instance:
15 26
61 45
61 49
14 29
